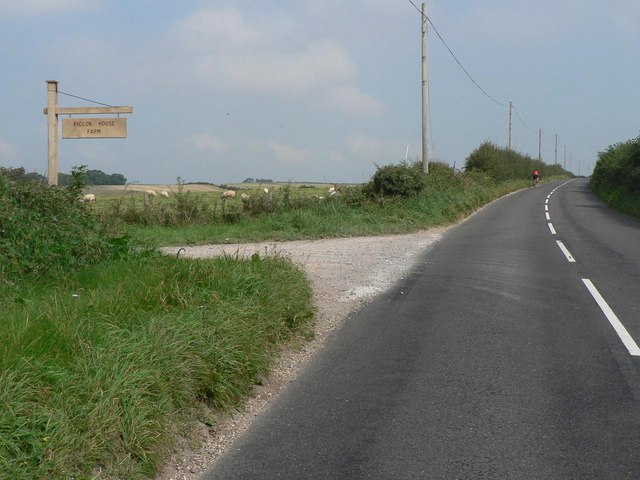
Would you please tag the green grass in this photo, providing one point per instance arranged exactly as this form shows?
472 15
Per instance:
336 217
621 198
101 372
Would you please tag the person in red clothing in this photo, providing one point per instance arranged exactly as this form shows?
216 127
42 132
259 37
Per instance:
536 177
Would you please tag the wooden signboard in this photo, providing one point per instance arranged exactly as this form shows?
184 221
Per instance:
106 127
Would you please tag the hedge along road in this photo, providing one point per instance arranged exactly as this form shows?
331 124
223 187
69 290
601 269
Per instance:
491 360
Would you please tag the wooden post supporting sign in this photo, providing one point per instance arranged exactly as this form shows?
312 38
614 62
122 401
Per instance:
109 127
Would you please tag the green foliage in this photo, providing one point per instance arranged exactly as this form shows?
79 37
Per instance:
505 164
47 230
619 167
616 176
402 180
98 177
94 177
91 177
101 372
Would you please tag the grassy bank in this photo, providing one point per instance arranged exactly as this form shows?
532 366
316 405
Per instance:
100 372
447 199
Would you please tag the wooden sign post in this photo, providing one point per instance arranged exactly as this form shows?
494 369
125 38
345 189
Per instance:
109 127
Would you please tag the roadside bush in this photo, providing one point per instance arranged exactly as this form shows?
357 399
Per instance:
616 176
47 230
402 180
505 164
619 167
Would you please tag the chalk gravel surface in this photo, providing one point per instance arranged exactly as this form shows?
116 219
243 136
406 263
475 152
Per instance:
346 273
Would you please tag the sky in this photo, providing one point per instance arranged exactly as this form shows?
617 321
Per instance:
324 90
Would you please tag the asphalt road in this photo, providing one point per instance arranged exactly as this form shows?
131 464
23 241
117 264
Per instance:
492 360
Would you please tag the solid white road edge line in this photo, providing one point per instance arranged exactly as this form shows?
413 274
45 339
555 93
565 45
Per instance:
566 252
628 341
553 230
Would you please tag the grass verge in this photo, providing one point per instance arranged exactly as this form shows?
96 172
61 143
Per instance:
338 218
100 372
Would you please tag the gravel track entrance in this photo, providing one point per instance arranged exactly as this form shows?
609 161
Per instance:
346 273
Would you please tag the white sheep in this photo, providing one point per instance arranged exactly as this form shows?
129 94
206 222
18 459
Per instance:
266 190
164 193
89 197
332 189
228 194
245 196
151 193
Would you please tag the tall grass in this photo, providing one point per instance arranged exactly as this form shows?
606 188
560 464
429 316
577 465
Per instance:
98 374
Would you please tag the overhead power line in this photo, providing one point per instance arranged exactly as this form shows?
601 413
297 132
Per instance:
456 58
523 122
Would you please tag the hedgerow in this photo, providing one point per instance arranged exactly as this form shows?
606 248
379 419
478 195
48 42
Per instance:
46 230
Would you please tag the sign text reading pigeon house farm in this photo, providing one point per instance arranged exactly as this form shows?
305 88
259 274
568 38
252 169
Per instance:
94 127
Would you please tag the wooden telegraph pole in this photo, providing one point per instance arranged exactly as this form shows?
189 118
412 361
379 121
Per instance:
510 122
539 144
425 93
79 128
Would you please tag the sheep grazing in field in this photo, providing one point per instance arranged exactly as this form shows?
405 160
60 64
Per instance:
89 197
151 193
245 196
266 191
228 194
332 190
164 193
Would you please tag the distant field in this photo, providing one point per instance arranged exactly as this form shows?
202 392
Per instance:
133 195
115 190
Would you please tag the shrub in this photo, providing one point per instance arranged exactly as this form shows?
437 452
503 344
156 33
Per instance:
619 167
47 230
402 180
506 164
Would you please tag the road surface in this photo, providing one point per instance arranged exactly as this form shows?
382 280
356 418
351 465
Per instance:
508 353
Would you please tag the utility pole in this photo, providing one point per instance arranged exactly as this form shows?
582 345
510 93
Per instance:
510 122
539 144
556 155
425 93
564 164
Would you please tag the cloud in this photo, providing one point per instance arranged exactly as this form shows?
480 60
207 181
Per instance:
350 99
42 7
289 155
365 146
221 49
376 149
208 142
7 151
